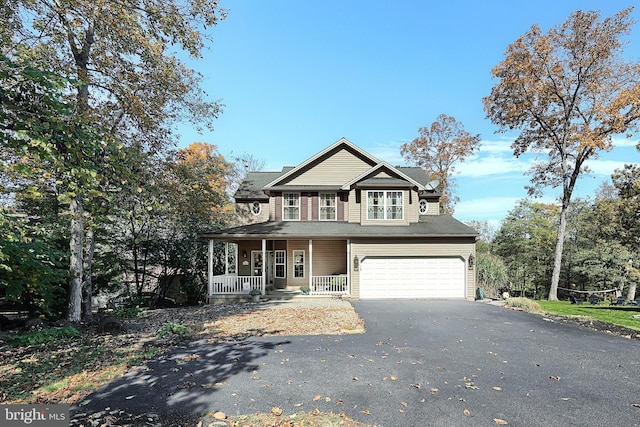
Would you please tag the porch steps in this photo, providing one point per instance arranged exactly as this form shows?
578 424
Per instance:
279 295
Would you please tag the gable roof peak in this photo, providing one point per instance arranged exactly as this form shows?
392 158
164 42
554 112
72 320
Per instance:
341 142
378 167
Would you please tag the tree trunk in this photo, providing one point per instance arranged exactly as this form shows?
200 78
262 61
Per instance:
75 262
557 260
631 292
87 283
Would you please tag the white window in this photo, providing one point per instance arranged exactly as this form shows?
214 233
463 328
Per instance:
290 206
256 208
385 205
281 264
423 207
327 206
298 264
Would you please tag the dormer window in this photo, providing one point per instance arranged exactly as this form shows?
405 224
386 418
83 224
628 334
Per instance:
385 205
291 206
327 206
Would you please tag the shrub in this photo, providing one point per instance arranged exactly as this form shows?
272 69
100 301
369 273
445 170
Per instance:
492 274
170 329
525 304
305 290
254 292
128 312
43 336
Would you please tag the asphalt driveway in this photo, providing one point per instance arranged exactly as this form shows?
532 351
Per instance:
428 362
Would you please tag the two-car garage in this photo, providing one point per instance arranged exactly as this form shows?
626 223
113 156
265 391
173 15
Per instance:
412 277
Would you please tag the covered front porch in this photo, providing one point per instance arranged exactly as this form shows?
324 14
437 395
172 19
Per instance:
312 266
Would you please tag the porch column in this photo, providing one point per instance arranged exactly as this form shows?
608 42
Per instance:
311 264
264 265
349 265
236 260
226 258
210 267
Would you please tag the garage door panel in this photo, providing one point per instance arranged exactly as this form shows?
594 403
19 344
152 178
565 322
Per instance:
412 277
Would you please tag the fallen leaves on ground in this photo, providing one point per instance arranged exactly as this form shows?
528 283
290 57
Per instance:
66 372
307 419
288 322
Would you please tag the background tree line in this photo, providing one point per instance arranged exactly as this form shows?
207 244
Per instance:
600 251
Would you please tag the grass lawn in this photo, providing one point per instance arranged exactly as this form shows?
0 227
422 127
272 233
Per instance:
616 315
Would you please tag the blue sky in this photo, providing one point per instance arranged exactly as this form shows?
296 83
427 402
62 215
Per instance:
296 76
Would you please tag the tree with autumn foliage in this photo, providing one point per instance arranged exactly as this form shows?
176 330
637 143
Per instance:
127 89
437 150
568 90
156 222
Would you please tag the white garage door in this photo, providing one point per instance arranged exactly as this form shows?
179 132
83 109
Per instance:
394 277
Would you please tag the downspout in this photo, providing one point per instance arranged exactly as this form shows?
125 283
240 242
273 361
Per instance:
311 265
210 267
264 265
349 266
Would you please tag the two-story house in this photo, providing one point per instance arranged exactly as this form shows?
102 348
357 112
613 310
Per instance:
345 223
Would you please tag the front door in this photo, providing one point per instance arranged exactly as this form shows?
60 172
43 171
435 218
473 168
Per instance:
257 264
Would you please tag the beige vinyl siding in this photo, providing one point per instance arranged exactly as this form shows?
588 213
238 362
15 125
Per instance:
341 167
244 215
329 257
363 211
411 206
430 247
272 208
433 208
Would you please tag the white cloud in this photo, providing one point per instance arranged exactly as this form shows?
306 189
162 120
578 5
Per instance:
605 167
481 166
624 142
496 146
387 151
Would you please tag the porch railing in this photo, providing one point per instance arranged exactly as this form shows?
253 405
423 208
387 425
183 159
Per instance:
235 285
329 285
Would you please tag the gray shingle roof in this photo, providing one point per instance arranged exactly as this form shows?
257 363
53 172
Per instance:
429 226
251 186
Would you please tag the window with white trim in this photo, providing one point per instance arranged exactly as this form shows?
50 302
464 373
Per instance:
298 264
423 207
290 206
280 264
256 208
385 204
327 206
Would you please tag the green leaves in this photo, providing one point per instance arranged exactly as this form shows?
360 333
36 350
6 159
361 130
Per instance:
33 271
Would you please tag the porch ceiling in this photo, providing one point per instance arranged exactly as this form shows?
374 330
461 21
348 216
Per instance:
431 226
